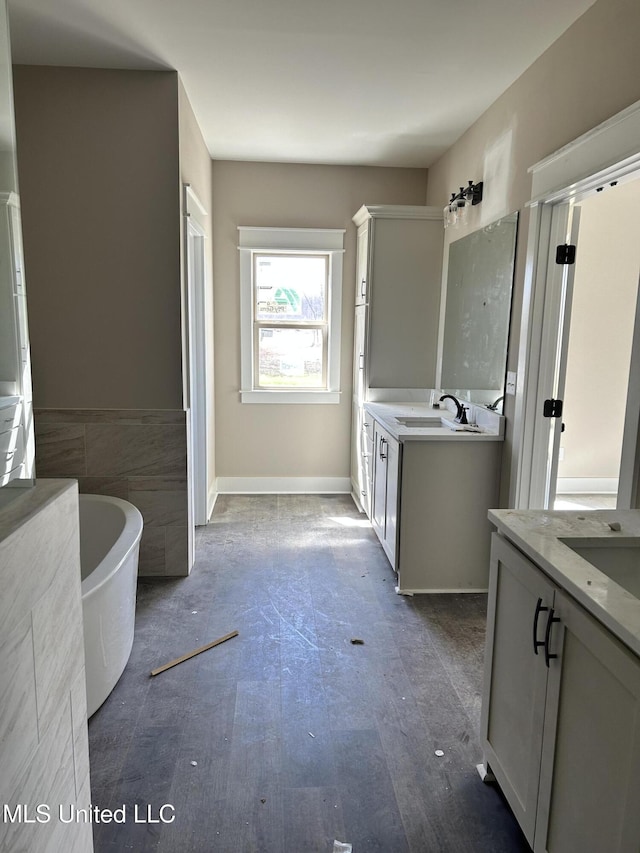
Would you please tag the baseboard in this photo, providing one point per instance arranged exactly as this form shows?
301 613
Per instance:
438 591
212 497
283 485
587 485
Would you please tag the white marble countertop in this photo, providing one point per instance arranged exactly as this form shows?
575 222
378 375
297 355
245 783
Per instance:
538 533
491 424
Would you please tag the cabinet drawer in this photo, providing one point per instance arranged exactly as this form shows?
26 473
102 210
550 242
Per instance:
367 429
11 453
10 417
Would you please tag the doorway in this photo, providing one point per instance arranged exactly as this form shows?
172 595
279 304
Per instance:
600 323
581 371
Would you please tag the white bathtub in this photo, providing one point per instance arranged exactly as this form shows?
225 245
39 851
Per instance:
110 531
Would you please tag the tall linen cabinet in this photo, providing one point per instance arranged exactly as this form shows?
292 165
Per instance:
398 282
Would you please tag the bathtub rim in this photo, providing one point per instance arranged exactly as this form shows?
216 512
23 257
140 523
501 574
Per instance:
125 544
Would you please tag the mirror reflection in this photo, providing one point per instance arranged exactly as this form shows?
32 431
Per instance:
477 301
16 421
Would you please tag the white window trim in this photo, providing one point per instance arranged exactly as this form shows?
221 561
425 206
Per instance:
303 241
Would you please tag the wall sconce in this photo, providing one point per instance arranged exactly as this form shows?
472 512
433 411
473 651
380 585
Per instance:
458 207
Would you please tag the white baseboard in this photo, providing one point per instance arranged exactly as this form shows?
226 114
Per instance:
212 497
587 485
283 485
438 591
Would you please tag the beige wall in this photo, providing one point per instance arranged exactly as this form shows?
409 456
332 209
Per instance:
590 73
196 169
288 440
602 319
99 182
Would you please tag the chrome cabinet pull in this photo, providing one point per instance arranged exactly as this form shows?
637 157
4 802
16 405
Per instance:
383 441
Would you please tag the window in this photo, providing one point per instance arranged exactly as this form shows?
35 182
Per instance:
291 290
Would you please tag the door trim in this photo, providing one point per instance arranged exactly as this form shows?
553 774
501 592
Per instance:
609 152
198 398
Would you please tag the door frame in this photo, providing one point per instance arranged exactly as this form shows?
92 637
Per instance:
607 153
198 397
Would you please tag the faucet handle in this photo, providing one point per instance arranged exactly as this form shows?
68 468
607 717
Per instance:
463 415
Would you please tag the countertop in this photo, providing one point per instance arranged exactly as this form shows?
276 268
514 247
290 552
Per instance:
538 534
490 423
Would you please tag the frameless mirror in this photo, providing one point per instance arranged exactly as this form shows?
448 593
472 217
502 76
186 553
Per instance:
16 418
477 309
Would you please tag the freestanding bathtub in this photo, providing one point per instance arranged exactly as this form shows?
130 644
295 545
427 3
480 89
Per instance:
110 531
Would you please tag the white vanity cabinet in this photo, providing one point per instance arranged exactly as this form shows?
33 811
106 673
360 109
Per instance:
397 302
430 503
561 714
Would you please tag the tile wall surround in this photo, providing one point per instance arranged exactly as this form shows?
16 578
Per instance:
139 455
44 749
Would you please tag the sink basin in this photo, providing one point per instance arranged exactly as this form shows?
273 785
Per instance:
413 422
618 560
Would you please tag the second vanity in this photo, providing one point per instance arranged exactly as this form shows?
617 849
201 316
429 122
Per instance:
432 482
560 723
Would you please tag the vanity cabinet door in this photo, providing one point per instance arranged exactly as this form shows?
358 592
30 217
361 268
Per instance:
589 798
386 474
362 264
515 679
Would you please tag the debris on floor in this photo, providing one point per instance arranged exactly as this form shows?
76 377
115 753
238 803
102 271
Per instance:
356 641
194 653
341 847
439 753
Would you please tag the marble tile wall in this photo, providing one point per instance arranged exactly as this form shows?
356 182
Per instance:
44 749
137 455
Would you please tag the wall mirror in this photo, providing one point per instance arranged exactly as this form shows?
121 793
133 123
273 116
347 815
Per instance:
16 411
474 323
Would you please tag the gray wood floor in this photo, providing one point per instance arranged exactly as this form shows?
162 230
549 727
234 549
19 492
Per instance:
289 736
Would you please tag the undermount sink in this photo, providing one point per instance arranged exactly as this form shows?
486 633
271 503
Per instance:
416 421
619 560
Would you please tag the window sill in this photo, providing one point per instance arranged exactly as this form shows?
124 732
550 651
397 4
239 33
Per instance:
305 397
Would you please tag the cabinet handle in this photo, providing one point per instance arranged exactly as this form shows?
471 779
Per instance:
382 442
363 287
361 365
547 636
536 642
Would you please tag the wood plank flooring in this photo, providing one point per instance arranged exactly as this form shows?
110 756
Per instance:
289 736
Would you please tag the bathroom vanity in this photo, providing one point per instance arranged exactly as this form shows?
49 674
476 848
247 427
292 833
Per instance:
561 703
432 482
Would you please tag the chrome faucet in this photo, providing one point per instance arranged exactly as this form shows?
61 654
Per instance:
461 411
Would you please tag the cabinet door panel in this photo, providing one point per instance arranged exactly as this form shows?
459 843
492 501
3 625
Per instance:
515 679
362 264
590 776
391 508
379 483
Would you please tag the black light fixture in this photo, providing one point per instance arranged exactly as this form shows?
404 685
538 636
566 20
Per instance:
459 203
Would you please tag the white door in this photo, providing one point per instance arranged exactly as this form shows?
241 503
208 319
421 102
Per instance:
547 424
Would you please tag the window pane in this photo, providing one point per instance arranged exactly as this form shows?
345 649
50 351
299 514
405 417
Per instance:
290 358
291 287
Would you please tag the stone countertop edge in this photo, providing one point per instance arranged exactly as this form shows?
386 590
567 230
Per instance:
386 413
26 502
537 534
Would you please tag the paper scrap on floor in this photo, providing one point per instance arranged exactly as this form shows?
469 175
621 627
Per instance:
341 847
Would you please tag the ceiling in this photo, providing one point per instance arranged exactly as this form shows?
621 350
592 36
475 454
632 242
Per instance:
337 82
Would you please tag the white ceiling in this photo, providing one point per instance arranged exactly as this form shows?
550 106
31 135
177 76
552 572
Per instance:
332 81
